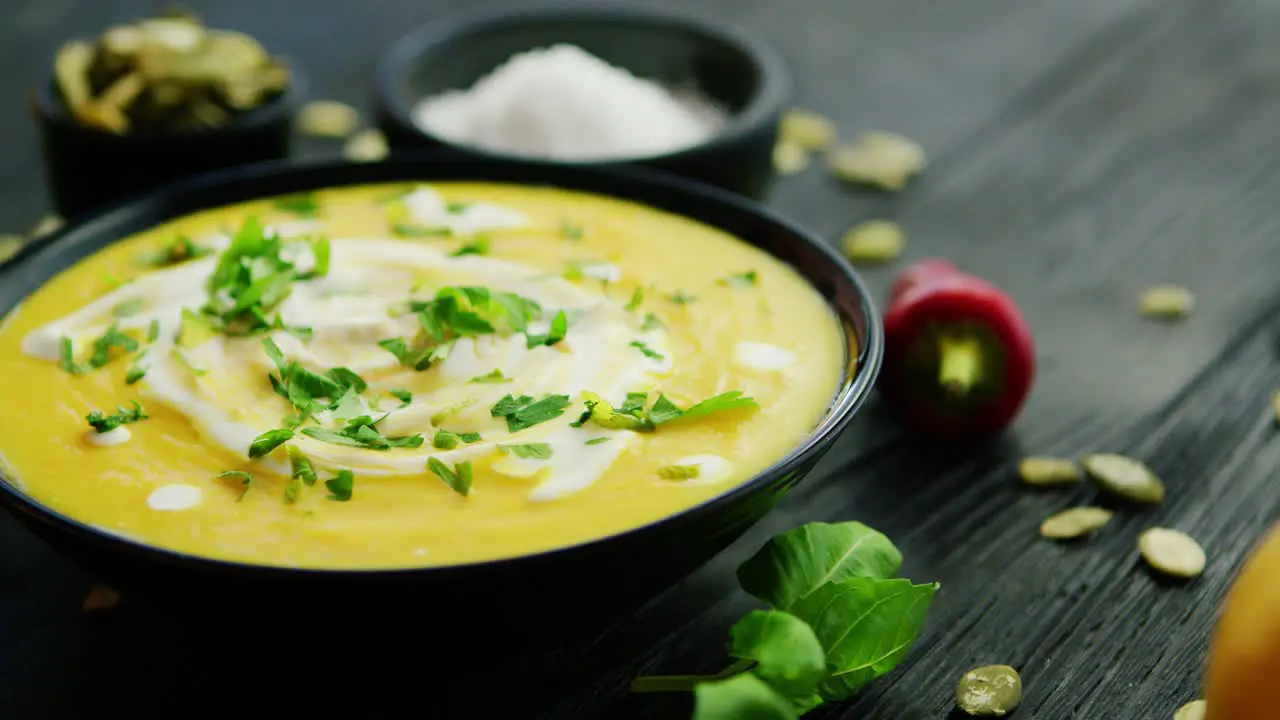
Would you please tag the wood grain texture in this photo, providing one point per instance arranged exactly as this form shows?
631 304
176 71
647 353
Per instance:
1081 150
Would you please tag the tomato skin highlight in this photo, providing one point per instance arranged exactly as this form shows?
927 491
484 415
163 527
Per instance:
1244 656
937 310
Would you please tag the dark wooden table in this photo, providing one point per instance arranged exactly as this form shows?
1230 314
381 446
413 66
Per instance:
1080 150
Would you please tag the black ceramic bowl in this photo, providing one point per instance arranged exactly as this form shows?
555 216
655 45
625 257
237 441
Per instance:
602 574
736 69
86 168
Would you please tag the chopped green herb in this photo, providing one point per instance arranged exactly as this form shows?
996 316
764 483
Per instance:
463 311
122 416
341 485
408 230
651 322
627 417
663 410
307 391
181 357
153 331
402 395
492 377
570 230
303 204
291 490
112 339
647 351
529 451
637 297
128 308
195 330
268 441
479 246
732 400
362 432
179 250
597 441
245 479
458 477
441 415
445 440
740 280
136 373
555 333
67 354
457 207
679 472
681 298
523 412
300 467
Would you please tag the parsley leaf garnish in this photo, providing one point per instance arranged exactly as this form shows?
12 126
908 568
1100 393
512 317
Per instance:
300 467
492 377
523 412
341 485
529 451
679 472
303 388
362 432
597 441
402 395
303 204
268 441
570 230
647 351
462 311
122 416
732 400
479 246
637 297
410 230
457 477
651 322
112 339
68 356
681 298
128 308
245 479
631 415
559 328
740 280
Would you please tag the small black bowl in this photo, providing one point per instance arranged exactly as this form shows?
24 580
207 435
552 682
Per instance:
738 70
86 168
602 575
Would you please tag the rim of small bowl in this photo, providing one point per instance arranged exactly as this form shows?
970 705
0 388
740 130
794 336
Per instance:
285 176
51 109
768 99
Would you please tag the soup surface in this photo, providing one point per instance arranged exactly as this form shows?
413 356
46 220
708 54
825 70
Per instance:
398 376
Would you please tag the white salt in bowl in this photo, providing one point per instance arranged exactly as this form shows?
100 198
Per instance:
732 88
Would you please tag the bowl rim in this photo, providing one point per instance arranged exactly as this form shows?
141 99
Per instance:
172 202
51 110
762 108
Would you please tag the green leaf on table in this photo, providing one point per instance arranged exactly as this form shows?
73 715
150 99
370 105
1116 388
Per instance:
788 655
794 564
867 627
741 697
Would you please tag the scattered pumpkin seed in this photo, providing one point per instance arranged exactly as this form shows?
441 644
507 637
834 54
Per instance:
49 223
100 599
1166 302
1048 471
874 241
880 159
10 244
328 118
165 73
366 146
790 157
1075 522
1171 552
807 129
1193 710
1124 477
991 691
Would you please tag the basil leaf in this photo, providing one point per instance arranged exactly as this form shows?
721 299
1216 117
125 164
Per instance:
867 627
788 655
741 697
268 441
341 485
794 564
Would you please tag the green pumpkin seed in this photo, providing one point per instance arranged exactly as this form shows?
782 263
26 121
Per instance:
49 223
790 157
1193 710
1171 552
328 118
991 691
873 241
807 129
1048 471
1075 522
1166 302
10 244
1124 477
879 159
366 146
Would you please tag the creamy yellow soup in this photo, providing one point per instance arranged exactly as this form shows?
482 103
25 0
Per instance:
400 376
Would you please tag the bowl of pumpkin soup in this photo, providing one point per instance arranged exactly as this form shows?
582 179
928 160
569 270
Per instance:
424 380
